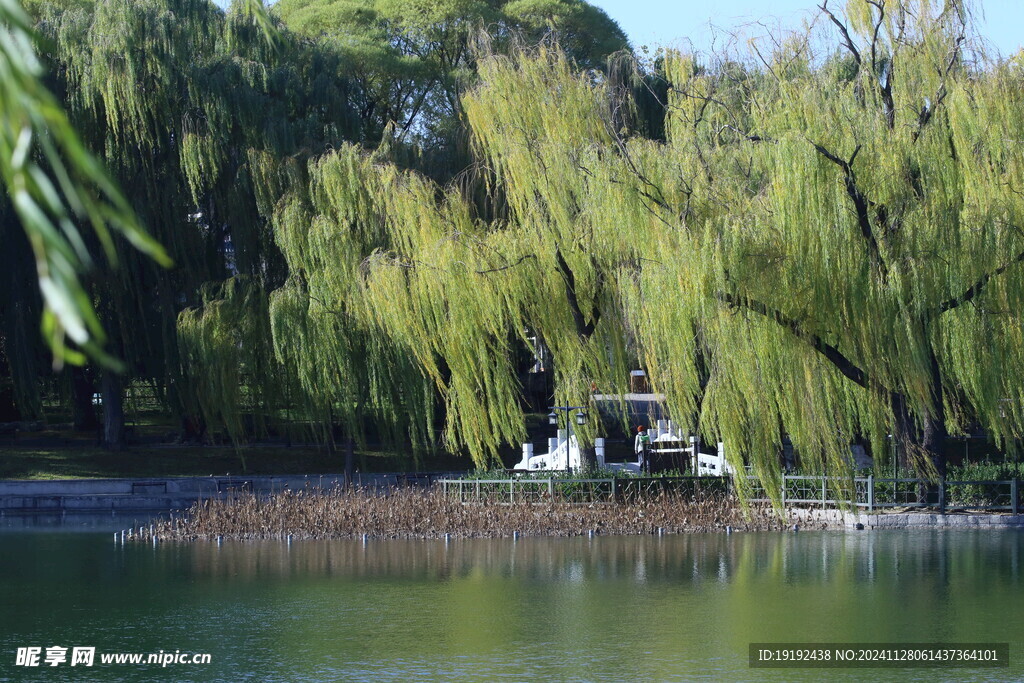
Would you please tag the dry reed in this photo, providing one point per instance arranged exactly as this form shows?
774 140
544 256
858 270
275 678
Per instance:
418 513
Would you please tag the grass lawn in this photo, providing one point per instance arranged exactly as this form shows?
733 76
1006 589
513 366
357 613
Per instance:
89 462
64 454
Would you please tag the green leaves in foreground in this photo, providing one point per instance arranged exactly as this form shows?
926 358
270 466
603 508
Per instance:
55 186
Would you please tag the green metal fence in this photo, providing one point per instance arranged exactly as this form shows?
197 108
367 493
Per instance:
866 493
873 493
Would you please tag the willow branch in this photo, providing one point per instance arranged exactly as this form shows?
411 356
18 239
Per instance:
976 289
860 201
583 328
928 111
847 41
840 361
506 267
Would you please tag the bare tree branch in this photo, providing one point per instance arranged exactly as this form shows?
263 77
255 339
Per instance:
847 40
506 267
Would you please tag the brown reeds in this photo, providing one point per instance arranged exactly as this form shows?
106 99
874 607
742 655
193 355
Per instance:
418 513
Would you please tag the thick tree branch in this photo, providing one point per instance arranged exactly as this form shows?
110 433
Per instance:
975 289
847 367
885 86
583 328
847 40
861 204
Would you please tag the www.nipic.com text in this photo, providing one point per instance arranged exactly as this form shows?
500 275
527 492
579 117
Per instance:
86 656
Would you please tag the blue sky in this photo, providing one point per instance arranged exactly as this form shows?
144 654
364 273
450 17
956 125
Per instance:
665 22
671 22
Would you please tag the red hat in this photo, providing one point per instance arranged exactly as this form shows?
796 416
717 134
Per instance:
640 428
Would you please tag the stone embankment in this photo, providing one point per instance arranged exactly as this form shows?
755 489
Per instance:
169 493
905 520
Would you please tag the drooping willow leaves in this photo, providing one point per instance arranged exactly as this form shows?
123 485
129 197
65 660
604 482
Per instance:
826 246
54 184
193 110
826 249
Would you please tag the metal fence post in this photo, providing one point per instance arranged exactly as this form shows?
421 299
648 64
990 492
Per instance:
942 495
1013 495
783 491
551 488
824 483
871 493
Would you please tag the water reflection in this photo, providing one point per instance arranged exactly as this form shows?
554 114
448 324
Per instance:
74 522
612 608
941 557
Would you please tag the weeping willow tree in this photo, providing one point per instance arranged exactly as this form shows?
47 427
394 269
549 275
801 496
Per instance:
323 334
832 237
825 248
335 219
55 187
226 340
191 109
400 294
390 256
55 184
863 280
838 239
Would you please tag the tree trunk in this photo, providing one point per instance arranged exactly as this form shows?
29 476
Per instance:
193 428
8 403
935 435
934 441
588 459
113 411
83 412
927 440
903 429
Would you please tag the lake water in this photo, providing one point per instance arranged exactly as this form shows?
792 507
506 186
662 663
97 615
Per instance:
602 609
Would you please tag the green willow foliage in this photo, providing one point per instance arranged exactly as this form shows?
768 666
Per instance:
413 59
201 116
225 340
323 331
823 244
55 184
827 246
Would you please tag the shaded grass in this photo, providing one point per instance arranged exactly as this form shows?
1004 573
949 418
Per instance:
66 454
89 462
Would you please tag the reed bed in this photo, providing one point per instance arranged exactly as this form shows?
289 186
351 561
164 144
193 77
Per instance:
419 513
